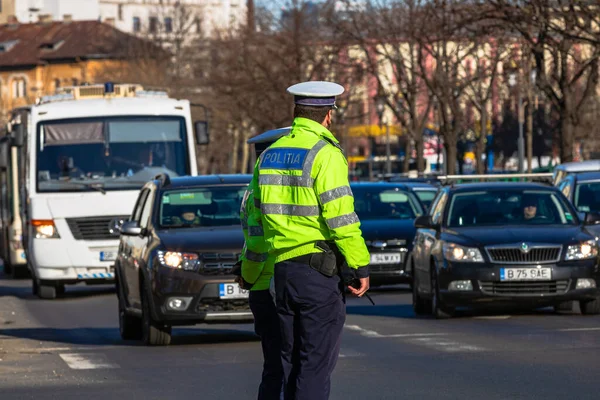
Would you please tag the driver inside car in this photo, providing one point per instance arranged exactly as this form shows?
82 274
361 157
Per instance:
530 205
187 216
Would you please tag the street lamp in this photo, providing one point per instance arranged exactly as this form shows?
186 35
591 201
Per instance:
380 103
512 82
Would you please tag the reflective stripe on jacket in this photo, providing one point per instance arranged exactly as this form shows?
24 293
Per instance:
301 192
257 267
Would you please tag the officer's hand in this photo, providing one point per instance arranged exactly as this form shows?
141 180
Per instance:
362 289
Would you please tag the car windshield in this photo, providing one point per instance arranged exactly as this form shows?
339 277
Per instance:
509 207
587 197
426 196
117 153
206 206
385 203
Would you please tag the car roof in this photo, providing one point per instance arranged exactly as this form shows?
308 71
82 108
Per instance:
580 166
206 180
469 187
588 177
379 184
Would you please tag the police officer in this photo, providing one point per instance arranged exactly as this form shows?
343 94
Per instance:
304 202
256 275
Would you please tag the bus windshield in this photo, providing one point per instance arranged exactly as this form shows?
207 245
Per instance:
109 153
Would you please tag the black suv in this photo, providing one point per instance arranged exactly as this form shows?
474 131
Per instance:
583 189
387 212
519 244
175 256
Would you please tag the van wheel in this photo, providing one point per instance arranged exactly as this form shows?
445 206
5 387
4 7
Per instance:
7 268
20 272
590 307
47 292
35 287
153 333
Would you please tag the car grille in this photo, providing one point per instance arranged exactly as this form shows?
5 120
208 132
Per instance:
515 255
216 305
217 263
94 228
524 288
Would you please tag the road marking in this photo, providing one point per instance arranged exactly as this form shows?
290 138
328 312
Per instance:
374 334
346 353
492 317
578 329
448 346
87 361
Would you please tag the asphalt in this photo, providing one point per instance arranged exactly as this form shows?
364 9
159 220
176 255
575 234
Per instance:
70 348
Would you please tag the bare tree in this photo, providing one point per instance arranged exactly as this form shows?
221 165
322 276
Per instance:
566 55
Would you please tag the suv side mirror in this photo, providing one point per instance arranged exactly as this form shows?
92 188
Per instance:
424 221
201 132
131 228
591 218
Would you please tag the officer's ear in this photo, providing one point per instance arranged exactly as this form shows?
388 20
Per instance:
327 121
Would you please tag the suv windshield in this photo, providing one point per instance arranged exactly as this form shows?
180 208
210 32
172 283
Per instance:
587 197
509 207
206 206
385 203
109 153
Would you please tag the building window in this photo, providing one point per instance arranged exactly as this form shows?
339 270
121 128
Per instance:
153 28
75 82
120 12
137 26
168 24
56 84
19 88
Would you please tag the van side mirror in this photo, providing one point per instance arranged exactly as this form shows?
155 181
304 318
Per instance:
17 135
4 149
131 228
425 222
201 132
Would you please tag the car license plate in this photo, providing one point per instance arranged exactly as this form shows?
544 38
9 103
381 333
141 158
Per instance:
232 291
108 255
386 258
525 274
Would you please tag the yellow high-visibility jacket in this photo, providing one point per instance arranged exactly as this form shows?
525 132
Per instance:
254 269
301 194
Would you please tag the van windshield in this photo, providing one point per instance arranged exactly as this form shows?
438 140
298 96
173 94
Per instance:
116 153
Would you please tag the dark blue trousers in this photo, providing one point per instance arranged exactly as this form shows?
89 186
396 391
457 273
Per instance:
311 313
266 325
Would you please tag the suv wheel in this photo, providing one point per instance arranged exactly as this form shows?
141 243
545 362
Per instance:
421 306
153 333
438 308
130 326
590 307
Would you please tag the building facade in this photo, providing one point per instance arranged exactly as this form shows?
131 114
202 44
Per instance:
28 11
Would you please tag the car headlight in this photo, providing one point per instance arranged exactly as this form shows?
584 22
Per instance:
44 229
177 260
455 252
582 251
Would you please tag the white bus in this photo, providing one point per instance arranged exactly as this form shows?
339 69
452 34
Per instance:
83 154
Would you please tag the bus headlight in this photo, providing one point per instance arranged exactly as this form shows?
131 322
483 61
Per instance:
44 229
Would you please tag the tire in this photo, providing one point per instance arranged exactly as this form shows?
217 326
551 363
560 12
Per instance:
438 309
35 287
130 327
60 290
19 272
7 268
421 306
46 292
590 307
153 333
566 306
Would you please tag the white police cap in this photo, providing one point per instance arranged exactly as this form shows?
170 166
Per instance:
316 93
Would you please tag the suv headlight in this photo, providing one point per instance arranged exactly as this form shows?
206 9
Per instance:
582 251
455 252
177 260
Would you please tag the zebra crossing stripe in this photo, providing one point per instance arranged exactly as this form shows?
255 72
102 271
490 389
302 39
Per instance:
87 361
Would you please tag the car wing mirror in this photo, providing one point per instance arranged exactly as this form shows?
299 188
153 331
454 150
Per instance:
201 133
592 218
425 221
131 228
